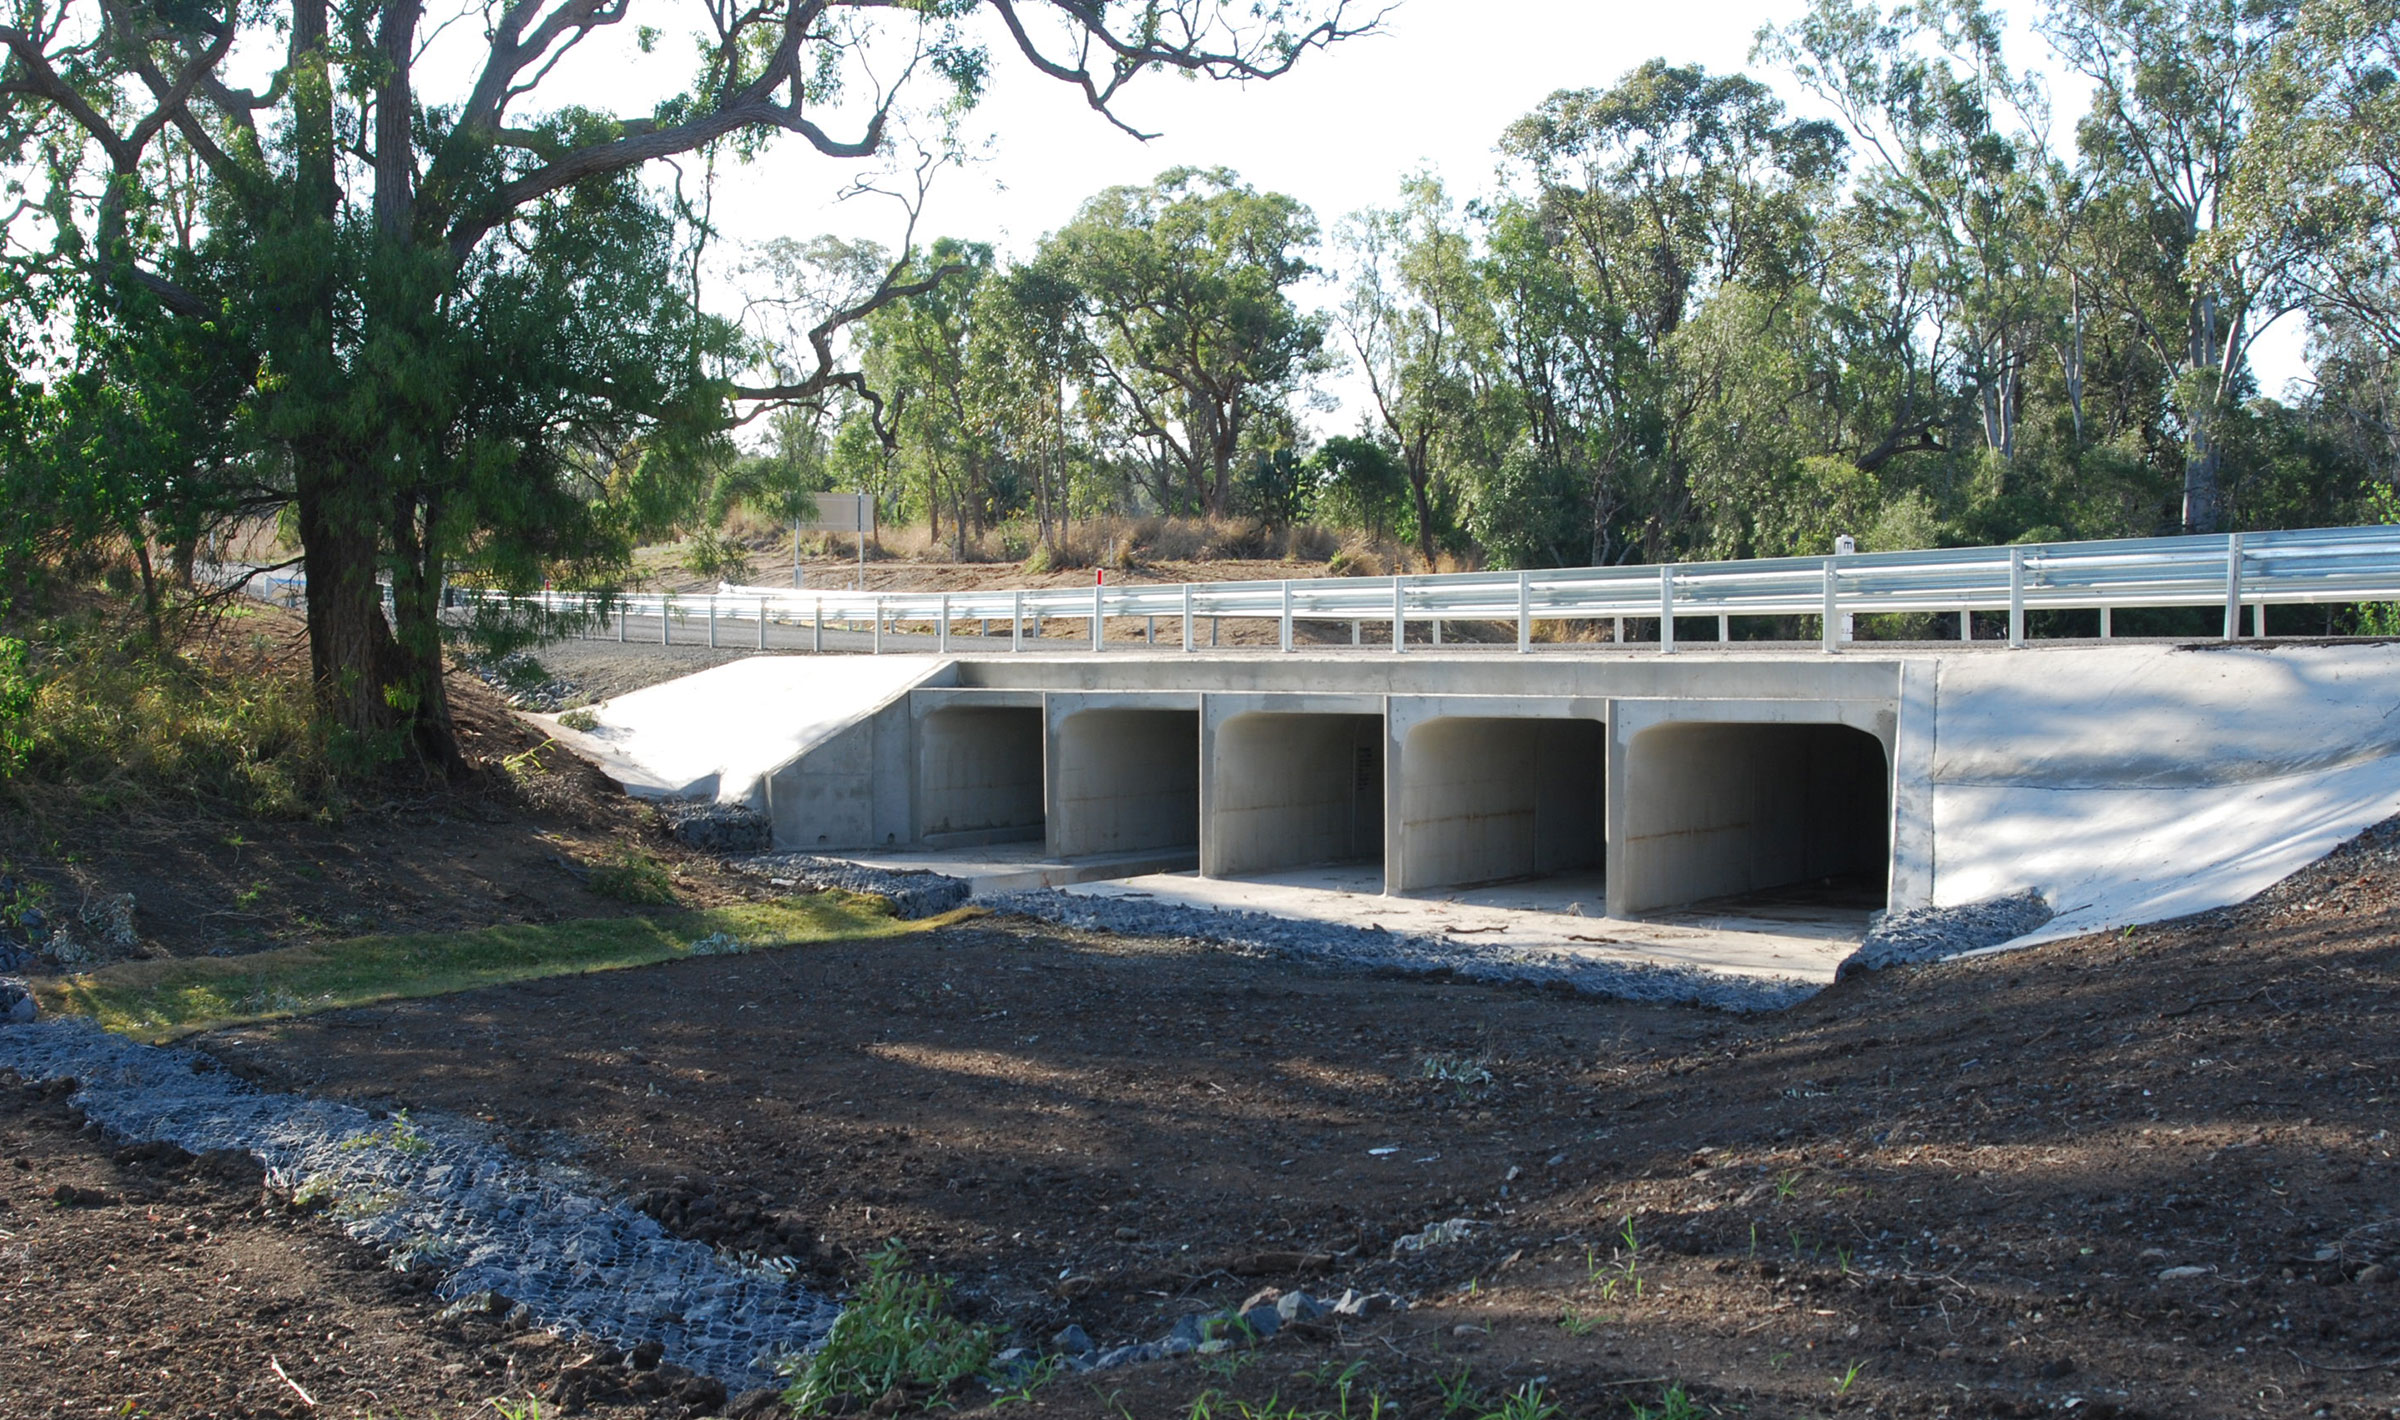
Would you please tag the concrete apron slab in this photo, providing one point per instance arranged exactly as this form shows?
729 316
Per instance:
1022 867
1794 940
1803 942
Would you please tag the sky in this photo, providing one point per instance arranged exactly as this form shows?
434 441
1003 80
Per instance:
1431 91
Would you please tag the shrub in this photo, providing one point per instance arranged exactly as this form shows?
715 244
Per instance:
636 878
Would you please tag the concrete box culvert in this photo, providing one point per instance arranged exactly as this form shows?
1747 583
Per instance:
1714 809
1293 791
1489 799
979 775
1123 781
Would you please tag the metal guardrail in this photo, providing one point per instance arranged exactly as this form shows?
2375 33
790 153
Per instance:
2312 566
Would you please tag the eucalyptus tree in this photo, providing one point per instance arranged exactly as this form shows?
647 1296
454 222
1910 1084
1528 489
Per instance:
1183 291
1648 198
463 303
2176 84
2319 175
1418 320
1959 215
916 356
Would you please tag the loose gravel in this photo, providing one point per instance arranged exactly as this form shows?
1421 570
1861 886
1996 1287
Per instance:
913 894
1359 948
438 1194
1924 934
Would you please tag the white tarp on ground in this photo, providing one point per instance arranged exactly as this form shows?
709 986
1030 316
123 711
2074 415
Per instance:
2136 783
717 735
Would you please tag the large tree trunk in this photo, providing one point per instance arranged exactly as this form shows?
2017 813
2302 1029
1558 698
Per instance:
352 658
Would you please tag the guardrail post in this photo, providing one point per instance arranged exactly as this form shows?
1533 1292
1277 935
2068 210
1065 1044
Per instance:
762 623
1099 623
1619 635
1666 608
1399 615
666 619
1437 631
1966 624
2016 598
879 626
1724 626
941 637
1284 623
816 638
1187 616
712 621
620 621
1150 630
1524 612
2258 620
2233 586
2107 630
1016 621
1357 634
1833 607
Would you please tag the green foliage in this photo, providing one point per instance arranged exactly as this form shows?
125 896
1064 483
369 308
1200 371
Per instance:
1676 1404
709 553
634 877
158 1000
896 1333
118 722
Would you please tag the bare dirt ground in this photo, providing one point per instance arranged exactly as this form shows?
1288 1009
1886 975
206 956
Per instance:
2143 1175
1975 1189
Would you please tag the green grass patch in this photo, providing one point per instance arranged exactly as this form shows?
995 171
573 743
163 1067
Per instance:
157 1001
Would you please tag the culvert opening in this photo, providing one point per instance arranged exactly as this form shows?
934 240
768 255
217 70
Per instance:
980 776
1488 800
1128 781
1754 811
1298 791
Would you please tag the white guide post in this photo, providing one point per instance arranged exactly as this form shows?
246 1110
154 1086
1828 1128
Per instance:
2016 598
2233 586
1833 606
1666 608
1098 641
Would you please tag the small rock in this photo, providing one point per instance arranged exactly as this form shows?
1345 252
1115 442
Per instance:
2374 1274
1079 1285
757 1404
1071 1340
1129 1235
17 1006
646 1356
1298 1306
1263 1297
1468 1328
1262 1322
2178 1274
